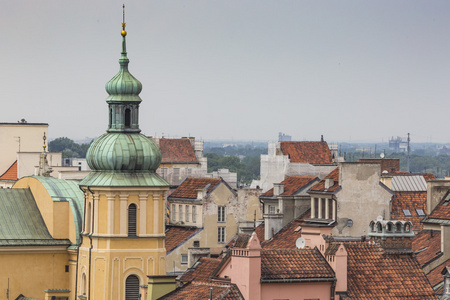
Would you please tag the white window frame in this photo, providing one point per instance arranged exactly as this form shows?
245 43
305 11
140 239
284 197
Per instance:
221 210
221 233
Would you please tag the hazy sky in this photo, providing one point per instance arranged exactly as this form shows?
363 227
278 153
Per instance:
350 70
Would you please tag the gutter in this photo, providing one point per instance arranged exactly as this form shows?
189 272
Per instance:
90 238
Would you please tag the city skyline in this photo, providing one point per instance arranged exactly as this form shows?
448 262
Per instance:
352 71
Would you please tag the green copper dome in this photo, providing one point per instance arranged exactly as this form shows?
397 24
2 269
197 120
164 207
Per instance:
123 156
124 153
123 86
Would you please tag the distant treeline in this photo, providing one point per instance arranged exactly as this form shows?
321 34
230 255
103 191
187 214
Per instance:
68 147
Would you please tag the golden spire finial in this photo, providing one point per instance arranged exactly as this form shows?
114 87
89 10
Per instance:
123 33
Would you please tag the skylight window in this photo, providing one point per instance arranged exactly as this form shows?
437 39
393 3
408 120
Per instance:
407 213
420 212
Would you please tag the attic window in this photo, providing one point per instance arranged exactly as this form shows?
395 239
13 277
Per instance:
196 243
420 212
407 213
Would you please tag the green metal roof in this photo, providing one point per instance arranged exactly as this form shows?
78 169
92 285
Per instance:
127 152
21 222
66 190
123 179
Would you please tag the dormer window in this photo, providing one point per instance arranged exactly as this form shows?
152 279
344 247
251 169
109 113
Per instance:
407 213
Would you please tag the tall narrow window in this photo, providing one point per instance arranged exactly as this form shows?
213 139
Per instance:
187 213
132 220
87 228
316 207
180 213
83 284
127 118
132 288
220 213
194 214
174 212
330 209
220 235
323 215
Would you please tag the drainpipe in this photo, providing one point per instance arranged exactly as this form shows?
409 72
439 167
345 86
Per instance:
90 238
333 288
78 250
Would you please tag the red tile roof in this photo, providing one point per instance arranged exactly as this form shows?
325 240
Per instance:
177 151
287 265
188 189
387 164
292 184
259 230
372 274
177 235
286 237
320 187
442 210
427 246
201 270
410 201
435 277
202 290
307 152
11 173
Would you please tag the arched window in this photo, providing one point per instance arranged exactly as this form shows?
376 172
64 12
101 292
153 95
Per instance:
132 288
127 118
132 220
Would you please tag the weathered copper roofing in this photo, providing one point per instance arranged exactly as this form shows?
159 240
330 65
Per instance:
123 87
11 173
123 152
21 223
123 156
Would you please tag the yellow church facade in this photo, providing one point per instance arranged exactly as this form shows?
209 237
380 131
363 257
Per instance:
95 239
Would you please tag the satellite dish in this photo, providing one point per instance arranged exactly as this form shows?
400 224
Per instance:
300 243
382 155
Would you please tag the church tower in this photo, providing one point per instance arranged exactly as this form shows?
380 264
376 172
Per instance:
123 231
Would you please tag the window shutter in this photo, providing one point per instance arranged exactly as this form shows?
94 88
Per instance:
132 220
132 288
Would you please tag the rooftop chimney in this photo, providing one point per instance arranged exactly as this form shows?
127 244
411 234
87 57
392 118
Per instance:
329 182
394 236
278 189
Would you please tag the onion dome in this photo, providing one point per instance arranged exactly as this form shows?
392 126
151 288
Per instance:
124 153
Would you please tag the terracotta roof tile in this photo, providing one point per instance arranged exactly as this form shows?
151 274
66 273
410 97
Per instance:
294 264
307 152
387 164
176 235
177 151
240 240
202 290
372 274
435 277
286 237
427 246
201 270
188 189
11 173
410 201
291 185
320 187
259 230
442 210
